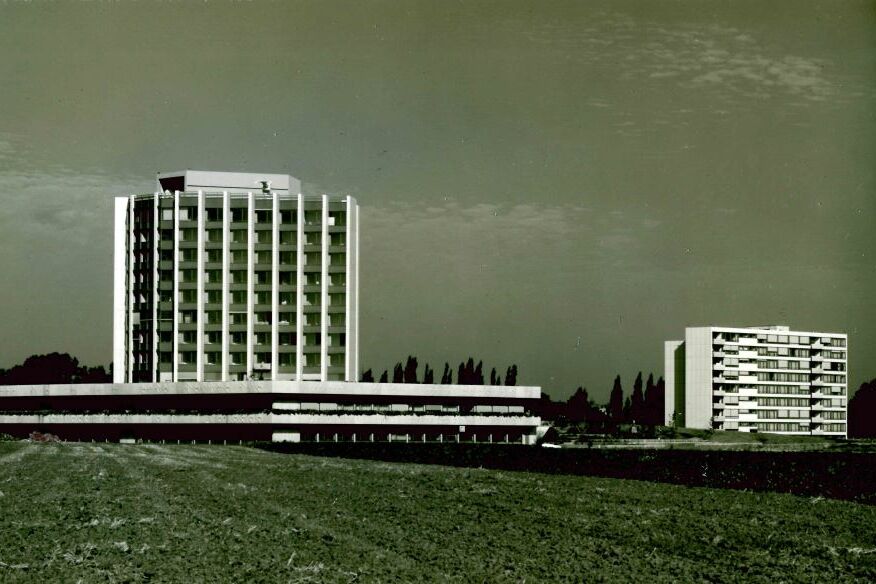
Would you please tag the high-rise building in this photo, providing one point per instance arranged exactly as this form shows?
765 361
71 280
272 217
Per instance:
224 276
757 379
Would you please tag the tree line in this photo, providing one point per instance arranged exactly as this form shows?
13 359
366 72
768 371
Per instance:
468 373
644 406
53 368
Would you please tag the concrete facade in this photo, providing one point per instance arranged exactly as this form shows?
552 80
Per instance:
235 276
758 379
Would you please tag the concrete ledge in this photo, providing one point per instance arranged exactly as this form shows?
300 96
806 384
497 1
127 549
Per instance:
327 388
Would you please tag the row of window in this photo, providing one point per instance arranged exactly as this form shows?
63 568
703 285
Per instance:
782 339
264 216
770 376
833 378
259 338
782 414
261 359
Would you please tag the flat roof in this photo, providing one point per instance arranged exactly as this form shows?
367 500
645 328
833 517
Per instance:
327 388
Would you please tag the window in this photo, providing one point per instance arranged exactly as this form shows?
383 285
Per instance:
238 297
287 217
167 214
286 317
263 317
238 317
213 338
263 338
312 319
238 276
214 214
187 357
239 236
213 276
263 277
213 296
287 339
238 214
237 358
263 215
286 298
262 297
285 278
187 337
238 338
287 359
189 255
188 296
214 316
239 256
213 358
214 255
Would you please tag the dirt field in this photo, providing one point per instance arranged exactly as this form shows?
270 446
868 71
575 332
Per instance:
122 513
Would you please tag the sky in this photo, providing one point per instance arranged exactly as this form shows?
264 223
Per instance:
559 185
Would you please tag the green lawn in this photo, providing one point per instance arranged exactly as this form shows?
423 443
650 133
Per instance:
118 513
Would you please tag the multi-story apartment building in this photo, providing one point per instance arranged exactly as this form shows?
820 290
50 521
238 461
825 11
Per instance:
230 276
758 379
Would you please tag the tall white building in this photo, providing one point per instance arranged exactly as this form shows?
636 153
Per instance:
225 276
758 379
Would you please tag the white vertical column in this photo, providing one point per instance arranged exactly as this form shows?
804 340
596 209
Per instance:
250 287
323 319
356 301
175 286
349 373
120 311
199 319
156 258
226 234
275 281
130 361
299 292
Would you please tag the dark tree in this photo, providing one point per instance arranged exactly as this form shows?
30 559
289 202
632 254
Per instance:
447 376
428 375
578 406
478 375
493 376
637 401
511 376
398 373
368 377
654 402
460 375
384 377
410 371
616 402
470 378
862 412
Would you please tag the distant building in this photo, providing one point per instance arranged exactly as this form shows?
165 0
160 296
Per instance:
225 276
758 379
